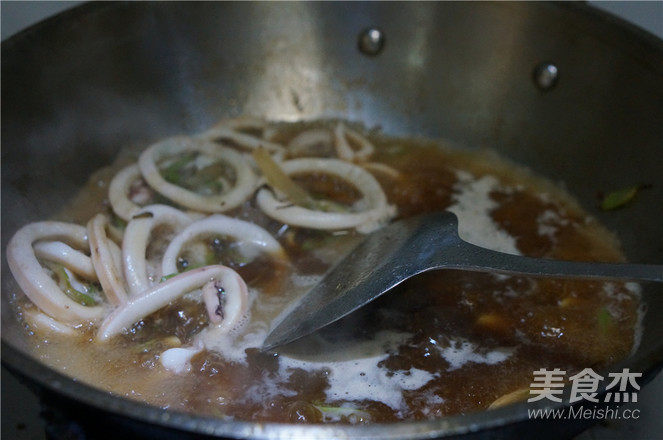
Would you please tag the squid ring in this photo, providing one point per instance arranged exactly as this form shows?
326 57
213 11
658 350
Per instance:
223 225
314 142
221 133
224 292
241 191
342 138
63 254
40 321
373 209
107 260
118 189
38 286
135 241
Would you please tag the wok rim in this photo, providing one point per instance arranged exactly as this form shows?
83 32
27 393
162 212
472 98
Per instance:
28 368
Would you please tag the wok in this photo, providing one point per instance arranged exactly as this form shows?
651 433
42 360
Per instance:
78 87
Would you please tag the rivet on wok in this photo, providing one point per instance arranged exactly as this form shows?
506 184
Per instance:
371 41
546 76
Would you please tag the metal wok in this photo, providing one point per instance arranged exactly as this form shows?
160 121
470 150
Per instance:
81 85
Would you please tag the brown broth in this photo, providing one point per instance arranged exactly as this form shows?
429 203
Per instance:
455 341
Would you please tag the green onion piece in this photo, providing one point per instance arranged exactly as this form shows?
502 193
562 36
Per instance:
620 198
173 172
604 319
167 277
118 222
69 290
206 180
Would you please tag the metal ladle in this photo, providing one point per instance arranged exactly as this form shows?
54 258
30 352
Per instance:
418 244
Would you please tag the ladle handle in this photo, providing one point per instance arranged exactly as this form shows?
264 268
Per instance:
471 257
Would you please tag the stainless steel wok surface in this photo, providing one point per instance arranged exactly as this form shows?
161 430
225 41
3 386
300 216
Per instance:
80 86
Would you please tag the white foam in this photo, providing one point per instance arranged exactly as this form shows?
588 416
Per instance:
472 205
213 338
461 353
611 290
364 379
231 347
356 377
359 375
549 222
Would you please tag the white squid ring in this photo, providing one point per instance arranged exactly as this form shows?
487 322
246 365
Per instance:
342 138
377 211
107 260
65 255
40 321
314 142
118 190
38 286
136 236
222 132
224 225
244 185
158 296
382 168
248 123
